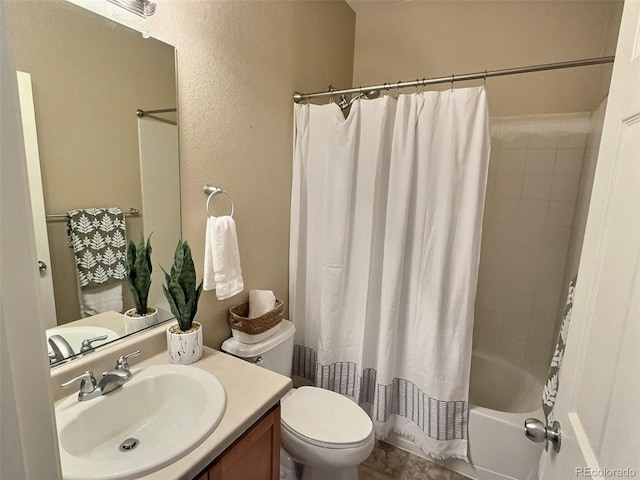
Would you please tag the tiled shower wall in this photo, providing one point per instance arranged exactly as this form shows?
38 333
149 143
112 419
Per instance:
587 176
534 176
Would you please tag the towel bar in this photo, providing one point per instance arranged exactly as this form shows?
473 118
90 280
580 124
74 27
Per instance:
58 217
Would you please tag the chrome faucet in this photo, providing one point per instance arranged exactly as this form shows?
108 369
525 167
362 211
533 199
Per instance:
90 388
118 376
60 349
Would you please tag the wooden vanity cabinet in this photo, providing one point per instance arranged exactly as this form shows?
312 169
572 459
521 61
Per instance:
255 455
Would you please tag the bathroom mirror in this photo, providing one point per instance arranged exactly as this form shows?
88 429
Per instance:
85 78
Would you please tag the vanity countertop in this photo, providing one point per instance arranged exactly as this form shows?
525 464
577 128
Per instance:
251 392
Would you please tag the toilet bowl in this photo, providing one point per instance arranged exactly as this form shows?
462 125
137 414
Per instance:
326 433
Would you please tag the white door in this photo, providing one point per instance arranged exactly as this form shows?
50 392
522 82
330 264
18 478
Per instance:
599 393
45 297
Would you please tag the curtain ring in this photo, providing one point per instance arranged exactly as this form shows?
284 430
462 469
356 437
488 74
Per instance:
331 90
386 87
484 80
453 79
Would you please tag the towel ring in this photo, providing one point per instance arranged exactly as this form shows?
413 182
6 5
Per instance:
215 191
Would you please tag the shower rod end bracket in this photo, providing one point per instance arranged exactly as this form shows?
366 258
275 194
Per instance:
298 97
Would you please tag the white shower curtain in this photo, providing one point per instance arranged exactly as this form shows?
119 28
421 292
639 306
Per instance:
386 215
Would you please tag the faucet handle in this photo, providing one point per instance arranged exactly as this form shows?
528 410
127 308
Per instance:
87 382
122 363
86 343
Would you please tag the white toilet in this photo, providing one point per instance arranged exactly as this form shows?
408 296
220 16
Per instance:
328 434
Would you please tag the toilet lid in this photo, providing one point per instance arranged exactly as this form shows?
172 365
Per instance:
325 417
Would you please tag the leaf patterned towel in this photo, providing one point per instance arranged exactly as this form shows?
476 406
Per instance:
99 242
553 379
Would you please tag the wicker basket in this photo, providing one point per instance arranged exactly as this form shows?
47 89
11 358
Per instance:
238 319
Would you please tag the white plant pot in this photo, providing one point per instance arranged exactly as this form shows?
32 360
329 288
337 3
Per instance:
134 322
185 348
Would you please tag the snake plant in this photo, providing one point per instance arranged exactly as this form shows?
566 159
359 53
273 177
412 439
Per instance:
139 273
180 289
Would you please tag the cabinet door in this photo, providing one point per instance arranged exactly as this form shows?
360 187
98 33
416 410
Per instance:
255 455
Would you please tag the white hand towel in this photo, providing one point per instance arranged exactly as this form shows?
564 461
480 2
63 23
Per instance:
101 299
222 258
261 302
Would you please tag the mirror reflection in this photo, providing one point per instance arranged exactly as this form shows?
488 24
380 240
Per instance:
82 78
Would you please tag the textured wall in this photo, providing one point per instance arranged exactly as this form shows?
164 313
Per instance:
238 65
419 39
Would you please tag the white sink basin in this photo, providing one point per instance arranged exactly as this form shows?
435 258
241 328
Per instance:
168 409
74 335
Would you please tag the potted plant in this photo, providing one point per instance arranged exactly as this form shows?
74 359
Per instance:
184 340
139 280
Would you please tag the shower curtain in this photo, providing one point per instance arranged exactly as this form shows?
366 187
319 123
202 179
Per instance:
386 215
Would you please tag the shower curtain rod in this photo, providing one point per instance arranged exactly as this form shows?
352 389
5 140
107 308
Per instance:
298 97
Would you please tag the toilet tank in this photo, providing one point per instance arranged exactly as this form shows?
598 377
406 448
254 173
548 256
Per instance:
274 353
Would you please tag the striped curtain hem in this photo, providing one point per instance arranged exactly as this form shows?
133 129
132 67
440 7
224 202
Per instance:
438 419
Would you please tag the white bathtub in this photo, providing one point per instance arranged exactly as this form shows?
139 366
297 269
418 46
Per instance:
501 397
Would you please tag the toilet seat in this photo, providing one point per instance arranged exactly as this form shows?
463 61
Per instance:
324 418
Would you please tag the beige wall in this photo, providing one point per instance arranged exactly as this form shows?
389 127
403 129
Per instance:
238 65
417 39
87 134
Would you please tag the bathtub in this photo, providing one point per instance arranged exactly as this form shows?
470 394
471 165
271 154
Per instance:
501 397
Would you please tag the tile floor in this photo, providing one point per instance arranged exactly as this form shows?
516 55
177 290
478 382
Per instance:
390 463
